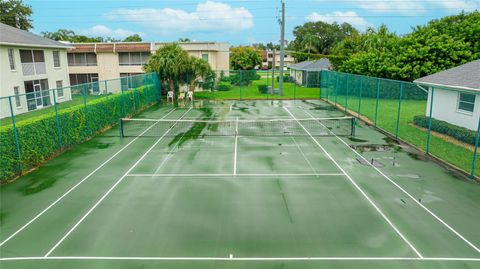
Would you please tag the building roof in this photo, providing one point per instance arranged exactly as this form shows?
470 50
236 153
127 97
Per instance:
317 65
15 37
145 46
465 77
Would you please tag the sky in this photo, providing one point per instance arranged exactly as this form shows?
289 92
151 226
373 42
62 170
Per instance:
238 22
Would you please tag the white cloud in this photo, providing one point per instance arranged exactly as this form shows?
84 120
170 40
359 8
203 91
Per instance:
350 17
208 16
396 6
456 5
104 31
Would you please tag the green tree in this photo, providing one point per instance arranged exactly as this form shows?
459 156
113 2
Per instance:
170 62
133 38
196 69
245 58
320 37
70 36
184 39
13 12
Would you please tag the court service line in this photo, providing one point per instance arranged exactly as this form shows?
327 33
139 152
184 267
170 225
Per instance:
232 258
111 188
408 194
78 184
231 175
360 190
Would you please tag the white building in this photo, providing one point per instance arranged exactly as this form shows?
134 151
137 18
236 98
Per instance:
29 66
271 59
91 62
456 95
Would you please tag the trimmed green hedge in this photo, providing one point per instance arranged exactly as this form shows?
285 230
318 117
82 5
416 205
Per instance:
224 86
457 132
38 137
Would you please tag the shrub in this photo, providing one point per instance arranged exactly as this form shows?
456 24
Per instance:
244 77
286 78
38 137
224 86
457 132
263 89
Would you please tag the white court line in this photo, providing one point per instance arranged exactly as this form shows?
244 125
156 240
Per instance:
361 190
110 190
76 185
235 152
232 258
408 194
232 175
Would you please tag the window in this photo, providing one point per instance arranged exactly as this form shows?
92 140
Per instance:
466 102
56 59
59 88
16 91
133 58
32 56
11 59
205 56
37 94
76 79
82 59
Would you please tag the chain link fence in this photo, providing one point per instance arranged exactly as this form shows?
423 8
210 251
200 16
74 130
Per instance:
37 125
402 109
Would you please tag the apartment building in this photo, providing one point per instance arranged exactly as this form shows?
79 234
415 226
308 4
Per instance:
271 59
29 66
103 61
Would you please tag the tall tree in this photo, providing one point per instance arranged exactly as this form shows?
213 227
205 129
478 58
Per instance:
15 13
245 58
170 63
319 36
184 39
195 70
133 38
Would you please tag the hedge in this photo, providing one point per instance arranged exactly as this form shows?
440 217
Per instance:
457 132
38 137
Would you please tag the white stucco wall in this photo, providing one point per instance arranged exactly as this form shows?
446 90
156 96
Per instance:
445 108
15 78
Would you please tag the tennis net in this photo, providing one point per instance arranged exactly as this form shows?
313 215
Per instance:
341 126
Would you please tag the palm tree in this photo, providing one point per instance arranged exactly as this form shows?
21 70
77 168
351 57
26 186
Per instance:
197 69
310 42
170 62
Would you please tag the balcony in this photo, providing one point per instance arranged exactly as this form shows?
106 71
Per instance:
30 69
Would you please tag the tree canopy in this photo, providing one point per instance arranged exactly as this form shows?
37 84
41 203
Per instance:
71 36
175 66
320 37
245 58
13 10
439 45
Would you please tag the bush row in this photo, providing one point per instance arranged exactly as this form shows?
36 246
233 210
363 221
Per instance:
38 137
457 132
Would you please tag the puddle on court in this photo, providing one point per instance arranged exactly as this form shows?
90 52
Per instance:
38 185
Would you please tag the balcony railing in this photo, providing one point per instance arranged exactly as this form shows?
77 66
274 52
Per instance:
30 69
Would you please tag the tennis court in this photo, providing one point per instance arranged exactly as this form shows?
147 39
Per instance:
241 184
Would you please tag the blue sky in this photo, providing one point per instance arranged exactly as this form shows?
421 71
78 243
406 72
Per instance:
234 21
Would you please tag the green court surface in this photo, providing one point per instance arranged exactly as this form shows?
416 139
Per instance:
169 200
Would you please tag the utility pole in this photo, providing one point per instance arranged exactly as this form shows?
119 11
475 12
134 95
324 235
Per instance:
282 50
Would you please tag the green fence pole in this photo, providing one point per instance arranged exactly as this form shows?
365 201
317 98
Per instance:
430 121
359 113
376 103
294 89
241 80
346 97
399 109
476 149
106 87
56 118
134 84
84 92
336 88
15 134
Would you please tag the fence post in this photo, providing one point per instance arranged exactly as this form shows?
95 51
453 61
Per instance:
476 149
336 87
106 87
295 88
376 103
430 121
134 84
346 96
56 118
15 134
84 93
241 80
359 113
399 107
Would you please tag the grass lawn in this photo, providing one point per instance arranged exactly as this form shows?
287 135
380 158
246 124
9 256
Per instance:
76 100
387 119
290 91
